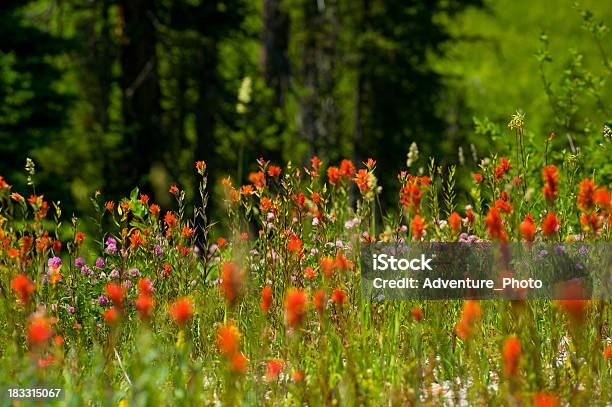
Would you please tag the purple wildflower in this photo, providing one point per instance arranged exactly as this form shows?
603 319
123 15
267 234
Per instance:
102 300
100 262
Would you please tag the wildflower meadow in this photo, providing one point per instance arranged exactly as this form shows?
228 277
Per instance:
264 307
305 203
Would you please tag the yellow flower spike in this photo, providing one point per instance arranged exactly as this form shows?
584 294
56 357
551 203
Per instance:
123 403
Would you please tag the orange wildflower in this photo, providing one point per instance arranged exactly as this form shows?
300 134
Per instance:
23 287
187 232
315 162
296 305
145 287
418 227
341 263
602 198
327 266
295 244
154 209
511 352
550 226
363 181
339 297
228 339
574 301
469 316
586 195
454 220
504 206
266 299
528 228
297 376
310 273
238 363
590 222
542 399
347 169
116 293
111 316
274 171
551 183
319 300
39 331
417 314
495 225
231 284
247 190
478 177
144 306
274 367
181 311
170 219
137 239
258 179
333 175
144 199
173 189
607 353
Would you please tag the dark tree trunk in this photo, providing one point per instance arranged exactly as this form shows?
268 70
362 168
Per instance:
141 92
275 39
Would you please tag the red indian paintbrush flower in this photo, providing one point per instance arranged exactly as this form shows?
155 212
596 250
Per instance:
111 316
333 175
228 339
116 293
338 297
469 316
39 331
495 225
417 314
327 266
528 228
238 363
274 171
542 399
294 244
258 179
363 181
274 368
181 311
341 263
574 301
550 226
319 300
266 299
231 284
295 307
511 352
454 220
23 287
418 227
144 305
607 353
347 169
586 195
551 183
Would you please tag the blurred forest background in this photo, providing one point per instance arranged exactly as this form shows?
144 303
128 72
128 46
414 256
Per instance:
109 94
